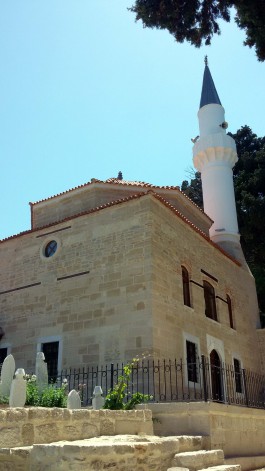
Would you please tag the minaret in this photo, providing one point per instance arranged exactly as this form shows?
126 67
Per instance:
214 155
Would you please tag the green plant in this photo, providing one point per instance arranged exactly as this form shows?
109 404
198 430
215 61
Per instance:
32 393
137 398
115 397
52 396
4 400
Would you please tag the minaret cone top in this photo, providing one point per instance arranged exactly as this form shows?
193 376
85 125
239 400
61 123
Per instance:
209 94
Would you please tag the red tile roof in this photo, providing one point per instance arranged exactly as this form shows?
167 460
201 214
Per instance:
116 181
124 200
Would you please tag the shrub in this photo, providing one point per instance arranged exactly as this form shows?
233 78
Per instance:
115 397
4 400
52 396
32 394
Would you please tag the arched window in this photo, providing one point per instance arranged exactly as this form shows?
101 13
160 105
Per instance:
230 312
209 298
186 286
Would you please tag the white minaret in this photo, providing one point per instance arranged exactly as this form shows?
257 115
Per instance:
214 155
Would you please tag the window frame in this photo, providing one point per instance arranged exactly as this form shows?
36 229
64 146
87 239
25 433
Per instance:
7 347
186 286
51 339
192 367
238 375
210 301
44 246
195 340
230 312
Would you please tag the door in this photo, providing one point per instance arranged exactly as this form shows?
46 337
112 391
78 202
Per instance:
216 377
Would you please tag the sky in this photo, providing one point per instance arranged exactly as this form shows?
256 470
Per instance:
85 92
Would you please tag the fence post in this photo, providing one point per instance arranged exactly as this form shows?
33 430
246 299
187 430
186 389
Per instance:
204 380
111 376
245 386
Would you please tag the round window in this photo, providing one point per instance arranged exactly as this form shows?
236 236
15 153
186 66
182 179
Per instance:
50 248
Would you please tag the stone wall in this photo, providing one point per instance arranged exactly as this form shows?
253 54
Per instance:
93 295
113 290
239 431
25 426
174 321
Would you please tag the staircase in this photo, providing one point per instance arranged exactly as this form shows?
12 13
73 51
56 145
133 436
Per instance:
119 453
192 457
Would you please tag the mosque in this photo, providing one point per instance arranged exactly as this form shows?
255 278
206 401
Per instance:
112 269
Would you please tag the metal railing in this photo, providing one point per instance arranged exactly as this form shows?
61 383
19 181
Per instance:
172 380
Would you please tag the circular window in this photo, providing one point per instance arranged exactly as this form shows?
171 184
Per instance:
50 248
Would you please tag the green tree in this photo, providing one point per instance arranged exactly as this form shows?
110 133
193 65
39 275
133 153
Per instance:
249 183
197 21
194 189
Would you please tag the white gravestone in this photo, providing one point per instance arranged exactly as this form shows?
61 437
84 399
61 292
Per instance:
73 400
17 396
7 375
98 400
41 372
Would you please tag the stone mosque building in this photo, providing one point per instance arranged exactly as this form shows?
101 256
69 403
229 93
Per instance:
115 268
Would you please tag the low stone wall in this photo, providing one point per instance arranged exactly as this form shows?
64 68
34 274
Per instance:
25 426
239 431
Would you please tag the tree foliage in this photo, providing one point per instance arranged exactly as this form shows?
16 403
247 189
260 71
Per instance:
194 189
249 183
197 21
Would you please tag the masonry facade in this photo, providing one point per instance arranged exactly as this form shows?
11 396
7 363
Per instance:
113 288
114 269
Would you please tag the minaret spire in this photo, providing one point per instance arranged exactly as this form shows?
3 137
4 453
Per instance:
214 155
209 94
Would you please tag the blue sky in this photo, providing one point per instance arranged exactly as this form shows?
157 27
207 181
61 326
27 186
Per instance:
85 92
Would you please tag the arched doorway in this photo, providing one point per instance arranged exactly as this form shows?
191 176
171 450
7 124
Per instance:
216 377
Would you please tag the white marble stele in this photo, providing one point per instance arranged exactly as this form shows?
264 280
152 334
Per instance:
41 372
98 400
7 375
73 400
17 396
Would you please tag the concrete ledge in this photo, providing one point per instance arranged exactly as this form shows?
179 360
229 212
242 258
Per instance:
239 431
247 463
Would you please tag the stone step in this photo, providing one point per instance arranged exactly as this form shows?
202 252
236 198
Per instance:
223 467
256 462
177 469
196 460
118 452
15 459
193 443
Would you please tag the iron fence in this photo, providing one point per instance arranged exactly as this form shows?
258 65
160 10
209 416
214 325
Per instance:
172 380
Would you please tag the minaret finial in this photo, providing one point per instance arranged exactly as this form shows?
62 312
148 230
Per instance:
206 60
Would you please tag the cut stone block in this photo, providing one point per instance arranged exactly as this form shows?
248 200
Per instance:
195 460
223 467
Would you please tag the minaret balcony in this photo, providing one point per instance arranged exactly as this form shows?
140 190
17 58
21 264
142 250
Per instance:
215 149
